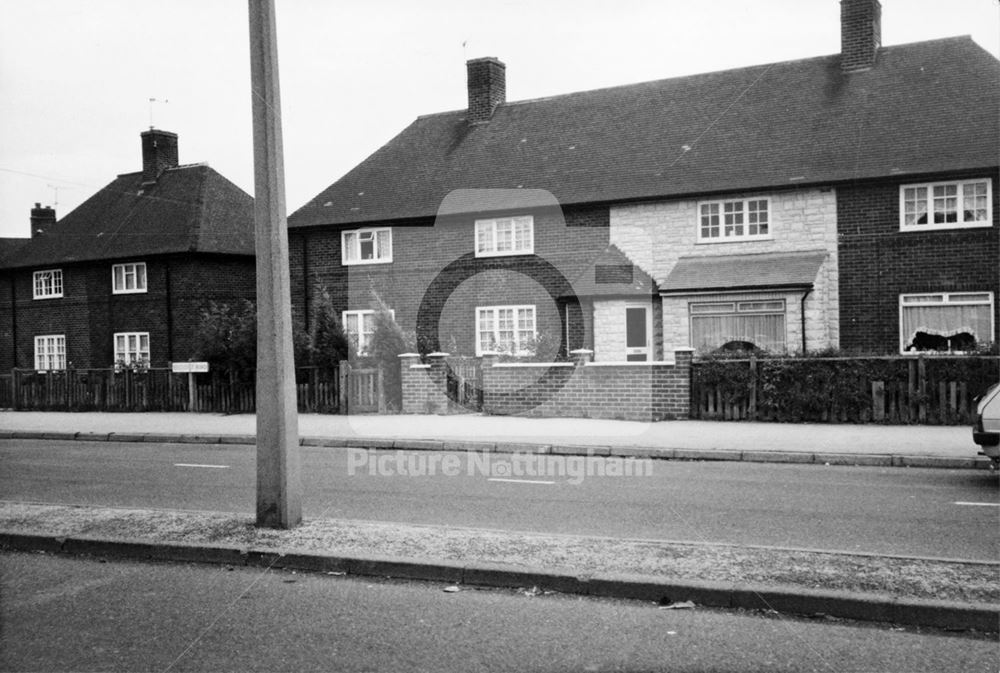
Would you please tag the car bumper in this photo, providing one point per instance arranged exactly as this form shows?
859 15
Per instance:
987 440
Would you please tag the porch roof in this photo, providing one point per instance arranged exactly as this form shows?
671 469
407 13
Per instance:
788 270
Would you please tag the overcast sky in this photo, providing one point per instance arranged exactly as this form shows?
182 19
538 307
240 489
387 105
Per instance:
76 76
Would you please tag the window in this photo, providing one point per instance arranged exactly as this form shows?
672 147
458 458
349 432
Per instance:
734 220
945 205
738 324
128 278
505 236
48 284
50 352
947 321
359 327
505 329
366 246
132 348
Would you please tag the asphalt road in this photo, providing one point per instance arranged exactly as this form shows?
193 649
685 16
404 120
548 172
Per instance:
131 616
922 512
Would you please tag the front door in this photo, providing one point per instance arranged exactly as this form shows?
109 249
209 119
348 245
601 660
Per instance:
637 333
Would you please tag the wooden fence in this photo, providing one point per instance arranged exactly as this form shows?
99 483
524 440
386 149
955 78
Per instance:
895 390
159 390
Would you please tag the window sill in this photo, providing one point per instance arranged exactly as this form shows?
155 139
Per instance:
365 262
519 253
712 241
916 228
129 291
49 296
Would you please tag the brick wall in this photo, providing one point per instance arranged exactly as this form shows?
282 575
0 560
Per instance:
879 262
636 391
434 264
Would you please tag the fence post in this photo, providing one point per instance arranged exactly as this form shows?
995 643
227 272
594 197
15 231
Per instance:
922 388
343 372
752 405
380 391
14 388
878 400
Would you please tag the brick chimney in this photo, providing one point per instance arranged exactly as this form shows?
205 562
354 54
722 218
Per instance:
860 34
487 88
159 152
42 219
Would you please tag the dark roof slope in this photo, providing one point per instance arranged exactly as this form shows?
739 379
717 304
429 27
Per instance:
924 107
9 247
189 209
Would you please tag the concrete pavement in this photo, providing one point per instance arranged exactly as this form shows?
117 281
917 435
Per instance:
876 445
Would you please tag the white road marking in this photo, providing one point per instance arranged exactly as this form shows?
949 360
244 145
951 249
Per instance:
979 504
520 481
218 467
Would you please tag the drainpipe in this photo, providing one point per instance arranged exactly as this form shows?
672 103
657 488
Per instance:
802 314
13 318
170 311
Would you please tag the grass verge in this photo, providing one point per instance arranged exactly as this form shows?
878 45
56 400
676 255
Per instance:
899 577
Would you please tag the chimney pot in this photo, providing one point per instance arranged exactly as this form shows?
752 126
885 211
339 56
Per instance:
159 152
860 34
487 82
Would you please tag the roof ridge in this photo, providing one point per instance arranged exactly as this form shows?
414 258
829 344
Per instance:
697 74
773 253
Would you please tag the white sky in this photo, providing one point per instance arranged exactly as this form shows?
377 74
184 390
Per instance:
76 76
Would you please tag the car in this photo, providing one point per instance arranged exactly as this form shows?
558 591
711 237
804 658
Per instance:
986 429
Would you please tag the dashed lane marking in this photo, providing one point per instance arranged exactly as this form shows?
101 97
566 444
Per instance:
218 467
520 481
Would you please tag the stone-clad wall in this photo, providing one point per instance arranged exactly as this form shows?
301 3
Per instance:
656 234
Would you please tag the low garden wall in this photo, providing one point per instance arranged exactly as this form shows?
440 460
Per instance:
635 391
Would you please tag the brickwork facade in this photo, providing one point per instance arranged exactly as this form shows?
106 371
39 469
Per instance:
435 281
656 234
879 262
89 313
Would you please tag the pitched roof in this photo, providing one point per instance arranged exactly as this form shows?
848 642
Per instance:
9 246
613 274
744 272
925 107
189 209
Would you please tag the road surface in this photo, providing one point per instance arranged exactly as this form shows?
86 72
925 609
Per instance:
922 512
130 616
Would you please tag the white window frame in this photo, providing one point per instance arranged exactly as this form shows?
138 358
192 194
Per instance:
350 246
733 307
519 348
129 269
125 354
947 299
647 350
53 289
50 352
930 200
744 212
361 346
486 236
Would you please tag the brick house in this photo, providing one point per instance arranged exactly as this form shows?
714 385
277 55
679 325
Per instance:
125 275
839 201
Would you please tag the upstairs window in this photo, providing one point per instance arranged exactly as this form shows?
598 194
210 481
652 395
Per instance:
366 246
505 236
48 284
50 352
742 220
505 329
128 278
945 205
951 322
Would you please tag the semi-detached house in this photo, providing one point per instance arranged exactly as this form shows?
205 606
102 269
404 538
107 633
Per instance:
845 201
124 277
